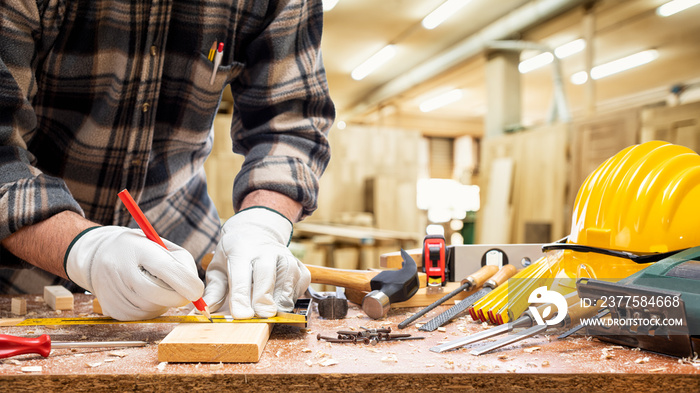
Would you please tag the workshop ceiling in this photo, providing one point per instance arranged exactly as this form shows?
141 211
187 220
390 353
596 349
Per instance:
356 29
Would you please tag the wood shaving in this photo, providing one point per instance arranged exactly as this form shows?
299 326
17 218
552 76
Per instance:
503 357
531 350
328 362
278 353
442 329
485 325
109 360
660 369
306 350
642 360
309 363
77 355
216 366
59 312
31 369
14 361
530 364
390 358
545 363
511 369
430 365
93 365
119 354
418 325
375 350
161 366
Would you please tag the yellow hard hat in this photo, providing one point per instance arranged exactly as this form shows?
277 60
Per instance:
645 199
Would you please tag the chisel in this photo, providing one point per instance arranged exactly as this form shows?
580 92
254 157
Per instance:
525 321
503 275
574 314
473 281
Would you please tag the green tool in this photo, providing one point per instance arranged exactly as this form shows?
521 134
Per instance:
657 309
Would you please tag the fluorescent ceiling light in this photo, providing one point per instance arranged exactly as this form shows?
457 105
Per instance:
441 100
675 6
444 11
545 58
374 62
570 48
329 4
535 62
579 78
616 66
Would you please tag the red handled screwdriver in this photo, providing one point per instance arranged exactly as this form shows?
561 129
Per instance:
13 345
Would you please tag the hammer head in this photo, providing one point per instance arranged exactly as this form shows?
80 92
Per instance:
391 286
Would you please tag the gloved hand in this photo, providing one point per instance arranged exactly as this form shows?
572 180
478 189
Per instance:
254 266
133 277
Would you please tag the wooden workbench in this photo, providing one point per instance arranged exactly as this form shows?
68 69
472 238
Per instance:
294 360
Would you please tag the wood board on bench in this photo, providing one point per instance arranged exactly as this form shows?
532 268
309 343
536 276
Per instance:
214 343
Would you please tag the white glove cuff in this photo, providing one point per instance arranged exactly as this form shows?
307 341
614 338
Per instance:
263 218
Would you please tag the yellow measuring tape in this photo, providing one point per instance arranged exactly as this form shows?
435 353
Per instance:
286 318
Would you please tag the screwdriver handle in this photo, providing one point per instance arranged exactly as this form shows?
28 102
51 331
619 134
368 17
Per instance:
506 272
477 279
13 346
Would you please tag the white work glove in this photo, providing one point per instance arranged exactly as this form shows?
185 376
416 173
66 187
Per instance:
133 277
254 266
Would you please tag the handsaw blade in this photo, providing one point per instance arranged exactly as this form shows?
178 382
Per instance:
454 311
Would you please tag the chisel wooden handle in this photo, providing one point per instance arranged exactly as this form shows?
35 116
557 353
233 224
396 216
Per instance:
480 276
353 279
506 272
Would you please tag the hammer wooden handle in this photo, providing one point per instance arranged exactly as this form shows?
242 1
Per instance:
353 279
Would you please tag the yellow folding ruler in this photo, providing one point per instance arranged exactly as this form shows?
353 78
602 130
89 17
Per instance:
286 318
298 318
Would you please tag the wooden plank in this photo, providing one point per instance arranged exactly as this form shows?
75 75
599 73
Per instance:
58 297
213 343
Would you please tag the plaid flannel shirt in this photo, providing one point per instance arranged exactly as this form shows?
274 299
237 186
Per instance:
102 95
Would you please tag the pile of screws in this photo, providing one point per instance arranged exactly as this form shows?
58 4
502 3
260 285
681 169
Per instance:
367 336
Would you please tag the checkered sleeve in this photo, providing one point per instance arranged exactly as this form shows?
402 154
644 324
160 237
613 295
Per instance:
27 196
283 106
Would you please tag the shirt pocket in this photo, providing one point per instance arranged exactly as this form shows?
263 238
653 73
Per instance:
208 85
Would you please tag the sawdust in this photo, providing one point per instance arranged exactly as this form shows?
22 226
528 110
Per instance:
390 359
328 362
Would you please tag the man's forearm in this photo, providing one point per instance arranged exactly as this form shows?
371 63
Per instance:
274 200
44 244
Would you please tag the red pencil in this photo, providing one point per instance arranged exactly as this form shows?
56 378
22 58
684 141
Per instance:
151 233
